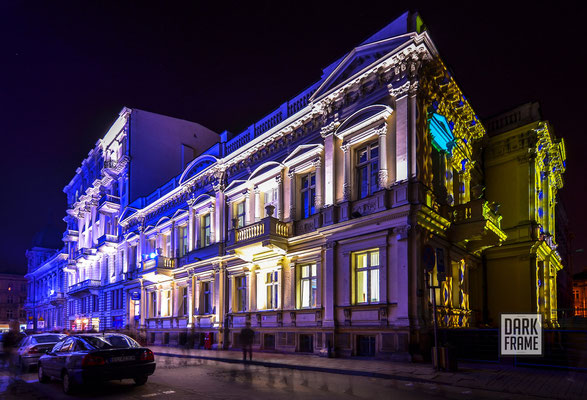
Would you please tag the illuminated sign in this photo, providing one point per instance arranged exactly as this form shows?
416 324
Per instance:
521 335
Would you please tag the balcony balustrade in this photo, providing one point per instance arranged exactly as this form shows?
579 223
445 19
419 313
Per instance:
57 298
109 204
157 268
268 228
70 235
107 242
84 253
91 286
477 224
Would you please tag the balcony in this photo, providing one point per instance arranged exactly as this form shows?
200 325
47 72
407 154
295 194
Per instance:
70 236
115 167
89 286
84 253
266 235
109 204
202 253
57 298
157 268
107 242
476 225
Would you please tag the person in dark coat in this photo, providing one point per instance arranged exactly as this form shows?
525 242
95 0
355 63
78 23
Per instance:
247 335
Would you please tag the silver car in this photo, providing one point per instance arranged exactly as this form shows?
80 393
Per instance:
32 347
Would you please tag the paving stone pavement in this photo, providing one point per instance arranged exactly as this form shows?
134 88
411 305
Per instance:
496 378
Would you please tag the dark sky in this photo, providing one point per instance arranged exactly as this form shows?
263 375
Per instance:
69 67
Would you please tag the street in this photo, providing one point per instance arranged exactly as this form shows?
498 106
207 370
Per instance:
190 378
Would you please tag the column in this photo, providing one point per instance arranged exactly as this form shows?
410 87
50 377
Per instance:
212 224
413 143
191 227
141 247
346 186
279 211
401 134
383 180
220 215
319 184
329 175
191 303
253 289
248 213
197 218
172 237
143 306
174 296
292 286
280 286
328 284
258 209
292 194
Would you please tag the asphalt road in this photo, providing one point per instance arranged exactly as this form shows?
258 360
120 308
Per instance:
194 378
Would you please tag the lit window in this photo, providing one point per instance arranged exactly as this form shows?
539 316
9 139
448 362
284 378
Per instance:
367 277
272 284
241 293
367 170
166 303
307 286
308 184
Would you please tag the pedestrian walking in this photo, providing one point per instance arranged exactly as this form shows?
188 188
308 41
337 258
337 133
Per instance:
246 337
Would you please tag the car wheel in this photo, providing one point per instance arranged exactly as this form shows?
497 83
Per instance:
141 380
42 377
66 383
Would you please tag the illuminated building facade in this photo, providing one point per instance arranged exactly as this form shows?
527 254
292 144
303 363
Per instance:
315 224
524 148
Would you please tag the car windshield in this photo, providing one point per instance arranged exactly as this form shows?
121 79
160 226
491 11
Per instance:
119 341
96 342
45 339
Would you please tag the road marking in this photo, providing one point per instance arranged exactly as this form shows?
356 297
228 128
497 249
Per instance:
157 394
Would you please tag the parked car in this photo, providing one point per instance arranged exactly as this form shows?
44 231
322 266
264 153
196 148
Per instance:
31 348
87 359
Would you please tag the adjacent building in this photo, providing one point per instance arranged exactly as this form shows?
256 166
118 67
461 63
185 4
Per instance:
323 225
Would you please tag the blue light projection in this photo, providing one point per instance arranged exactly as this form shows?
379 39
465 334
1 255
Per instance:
442 137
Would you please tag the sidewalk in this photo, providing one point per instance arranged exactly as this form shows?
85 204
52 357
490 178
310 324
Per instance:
495 379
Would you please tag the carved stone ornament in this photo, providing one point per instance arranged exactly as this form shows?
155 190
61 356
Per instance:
399 91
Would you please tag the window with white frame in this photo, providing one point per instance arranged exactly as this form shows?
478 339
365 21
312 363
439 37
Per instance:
167 241
270 196
367 167
272 286
308 193
241 293
207 297
240 214
366 276
206 230
183 240
154 304
166 303
307 288
184 301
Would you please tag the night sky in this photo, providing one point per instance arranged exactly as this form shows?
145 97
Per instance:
69 68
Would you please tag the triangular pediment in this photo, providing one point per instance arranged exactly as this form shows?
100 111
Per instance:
356 61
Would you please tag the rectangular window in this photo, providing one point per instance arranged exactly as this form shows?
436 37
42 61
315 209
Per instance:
207 297
95 303
308 191
154 304
183 240
241 293
368 170
366 277
240 214
270 196
308 286
167 240
184 301
272 284
206 230
166 303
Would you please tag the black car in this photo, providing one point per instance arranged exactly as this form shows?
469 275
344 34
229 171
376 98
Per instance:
85 359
